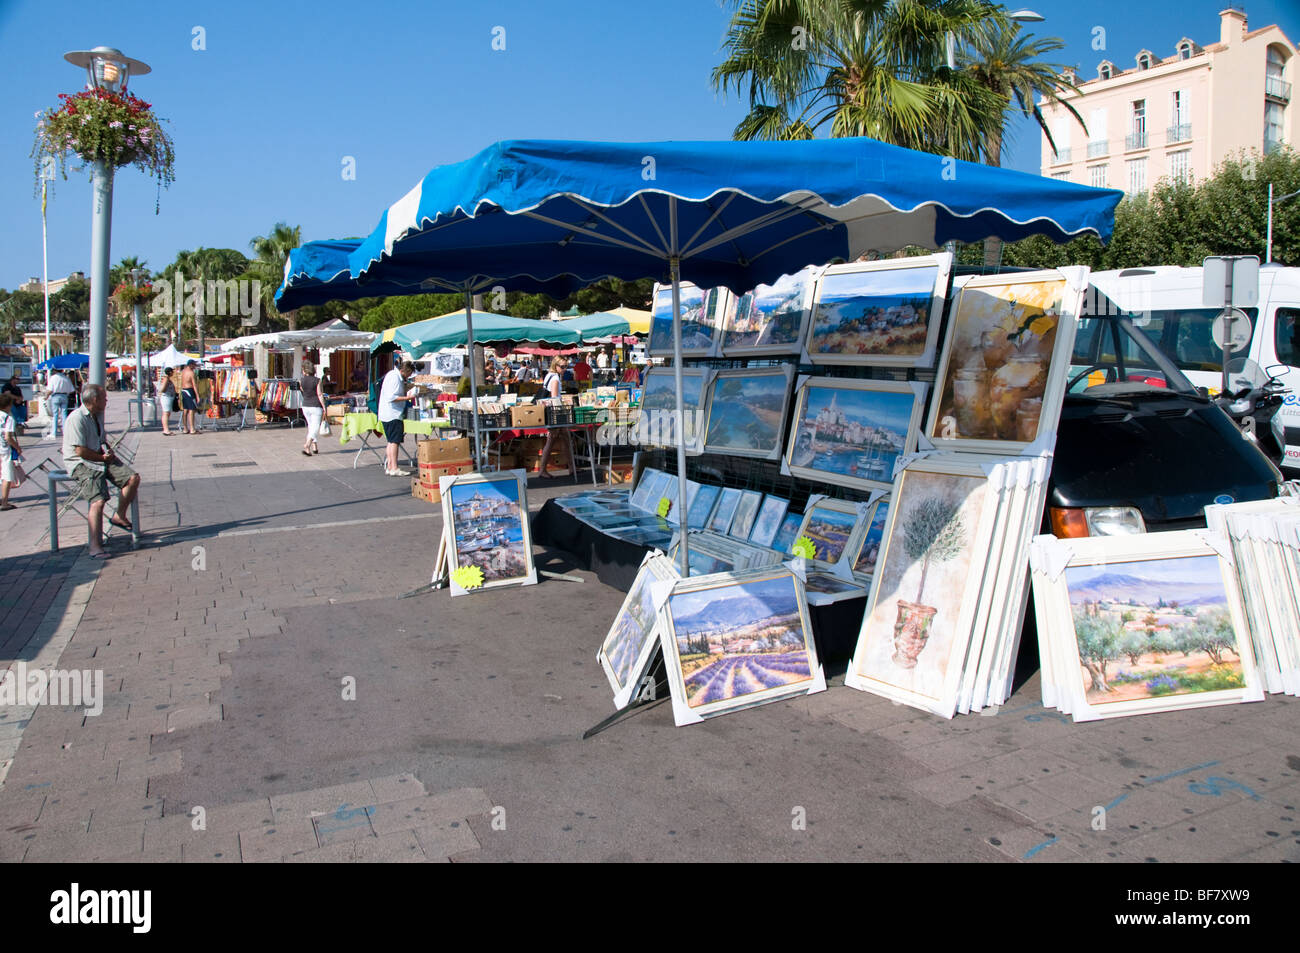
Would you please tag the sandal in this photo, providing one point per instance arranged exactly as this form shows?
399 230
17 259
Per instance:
306 453
122 525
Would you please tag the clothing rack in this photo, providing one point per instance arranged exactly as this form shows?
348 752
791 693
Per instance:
280 398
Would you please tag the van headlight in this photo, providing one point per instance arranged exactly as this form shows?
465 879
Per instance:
1114 521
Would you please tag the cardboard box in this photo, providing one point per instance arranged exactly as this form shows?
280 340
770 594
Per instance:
528 415
443 451
430 472
336 410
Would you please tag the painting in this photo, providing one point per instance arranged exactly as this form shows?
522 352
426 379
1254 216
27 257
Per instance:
1150 625
864 564
657 423
771 318
737 640
913 641
486 520
831 525
1001 379
746 414
702 315
882 313
725 511
788 533
852 432
746 512
706 498
642 496
768 520
629 647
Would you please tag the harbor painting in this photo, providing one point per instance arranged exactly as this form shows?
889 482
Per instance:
876 315
852 433
770 318
487 521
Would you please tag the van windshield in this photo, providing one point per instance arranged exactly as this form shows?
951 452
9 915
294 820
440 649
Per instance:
1113 358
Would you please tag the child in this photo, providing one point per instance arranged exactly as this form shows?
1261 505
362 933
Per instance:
10 452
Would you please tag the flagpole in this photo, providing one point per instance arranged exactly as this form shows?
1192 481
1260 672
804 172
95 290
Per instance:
45 265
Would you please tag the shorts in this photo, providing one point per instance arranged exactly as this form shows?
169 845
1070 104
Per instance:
395 430
7 474
189 399
91 484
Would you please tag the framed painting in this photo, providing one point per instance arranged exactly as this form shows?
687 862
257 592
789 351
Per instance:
630 644
725 511
706 498
824 588
702 315
879 313
788 533
737 640
914 638
657 423
1149 625
768 520
746 413
658 486
771 319
852 432
485 516
641 496
746 512
864 562
1001 379
832 526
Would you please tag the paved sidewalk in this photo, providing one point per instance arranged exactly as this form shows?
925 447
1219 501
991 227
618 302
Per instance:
257 666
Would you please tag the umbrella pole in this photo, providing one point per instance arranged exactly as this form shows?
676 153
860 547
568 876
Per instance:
675 266
473 376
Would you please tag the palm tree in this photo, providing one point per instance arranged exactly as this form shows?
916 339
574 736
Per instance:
862 68
272 252
1007 64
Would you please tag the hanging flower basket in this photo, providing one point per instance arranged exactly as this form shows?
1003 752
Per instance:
126 295
98 126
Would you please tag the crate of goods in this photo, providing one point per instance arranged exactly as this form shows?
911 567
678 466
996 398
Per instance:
527 415
431 474
557 416
443 451
589 415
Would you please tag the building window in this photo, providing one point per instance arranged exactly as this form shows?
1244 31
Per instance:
1274 85
1137 175
1137 137
1144 61
1105 71
1272 126
1063 176
1180 165
1184 50
1180 110
1097 176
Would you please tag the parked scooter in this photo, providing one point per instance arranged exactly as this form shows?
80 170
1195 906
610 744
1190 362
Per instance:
1254 406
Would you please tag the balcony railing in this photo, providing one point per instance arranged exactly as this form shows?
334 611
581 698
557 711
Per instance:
1137 140
1277 88
1062 157
1098 149
1180 133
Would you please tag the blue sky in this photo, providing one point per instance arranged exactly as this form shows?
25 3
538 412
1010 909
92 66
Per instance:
265 115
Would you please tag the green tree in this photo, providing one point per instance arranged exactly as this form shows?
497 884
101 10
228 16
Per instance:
933 531
407 309
1099 644
272 251
204 265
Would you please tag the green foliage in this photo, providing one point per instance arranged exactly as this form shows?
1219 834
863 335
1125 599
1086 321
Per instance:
407 309
1099 641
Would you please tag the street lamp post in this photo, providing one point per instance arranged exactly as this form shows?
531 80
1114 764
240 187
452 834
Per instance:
1268 251
108 70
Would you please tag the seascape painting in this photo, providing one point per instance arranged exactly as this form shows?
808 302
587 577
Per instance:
1152 628
851 434
656 425
488 524
725 512
768 520
997 363
740 639
829 528
747 412
788 533
771 317
881 316
701 317
865 563
746 513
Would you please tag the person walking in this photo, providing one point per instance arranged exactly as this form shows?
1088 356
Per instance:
189 399
60 389
92 464
551 386
313 405
14 389
392 407
167 400
11 453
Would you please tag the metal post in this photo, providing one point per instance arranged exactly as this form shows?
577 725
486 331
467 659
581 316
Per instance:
53 493
1268 247
45 268
675 269
1228 320
101 226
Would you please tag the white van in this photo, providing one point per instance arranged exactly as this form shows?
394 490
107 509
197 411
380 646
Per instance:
1166 303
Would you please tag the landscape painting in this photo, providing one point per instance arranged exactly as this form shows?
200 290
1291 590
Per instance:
487 518
656 425
872 315
788 533
702 506
769 319
701 318
746 513
852 432
865 563
628 646
768 520
725 511
997 365
740 643
1152 628
747 412
829 525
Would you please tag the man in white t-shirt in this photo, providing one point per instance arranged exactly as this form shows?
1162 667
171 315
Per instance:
392 400
60 391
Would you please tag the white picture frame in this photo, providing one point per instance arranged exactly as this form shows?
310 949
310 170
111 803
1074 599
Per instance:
703 312
770 319
629 647
657 421
747 411
500 510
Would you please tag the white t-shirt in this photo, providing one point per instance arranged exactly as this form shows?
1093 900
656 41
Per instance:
6 428
60 384
393 386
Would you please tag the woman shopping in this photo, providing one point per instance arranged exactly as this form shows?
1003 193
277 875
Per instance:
166 400
313 405
551 387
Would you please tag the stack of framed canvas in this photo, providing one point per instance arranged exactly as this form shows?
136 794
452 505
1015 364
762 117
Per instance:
1129 625
633 640
948 589
485 519
1265 550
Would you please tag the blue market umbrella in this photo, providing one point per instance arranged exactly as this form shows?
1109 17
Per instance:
555 216
65 362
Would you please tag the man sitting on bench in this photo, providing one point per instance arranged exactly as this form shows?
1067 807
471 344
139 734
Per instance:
92 464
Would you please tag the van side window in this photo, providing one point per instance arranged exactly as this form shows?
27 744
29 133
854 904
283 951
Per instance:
1185 334
1286 336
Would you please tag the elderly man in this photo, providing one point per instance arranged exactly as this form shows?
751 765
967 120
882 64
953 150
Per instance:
92 464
